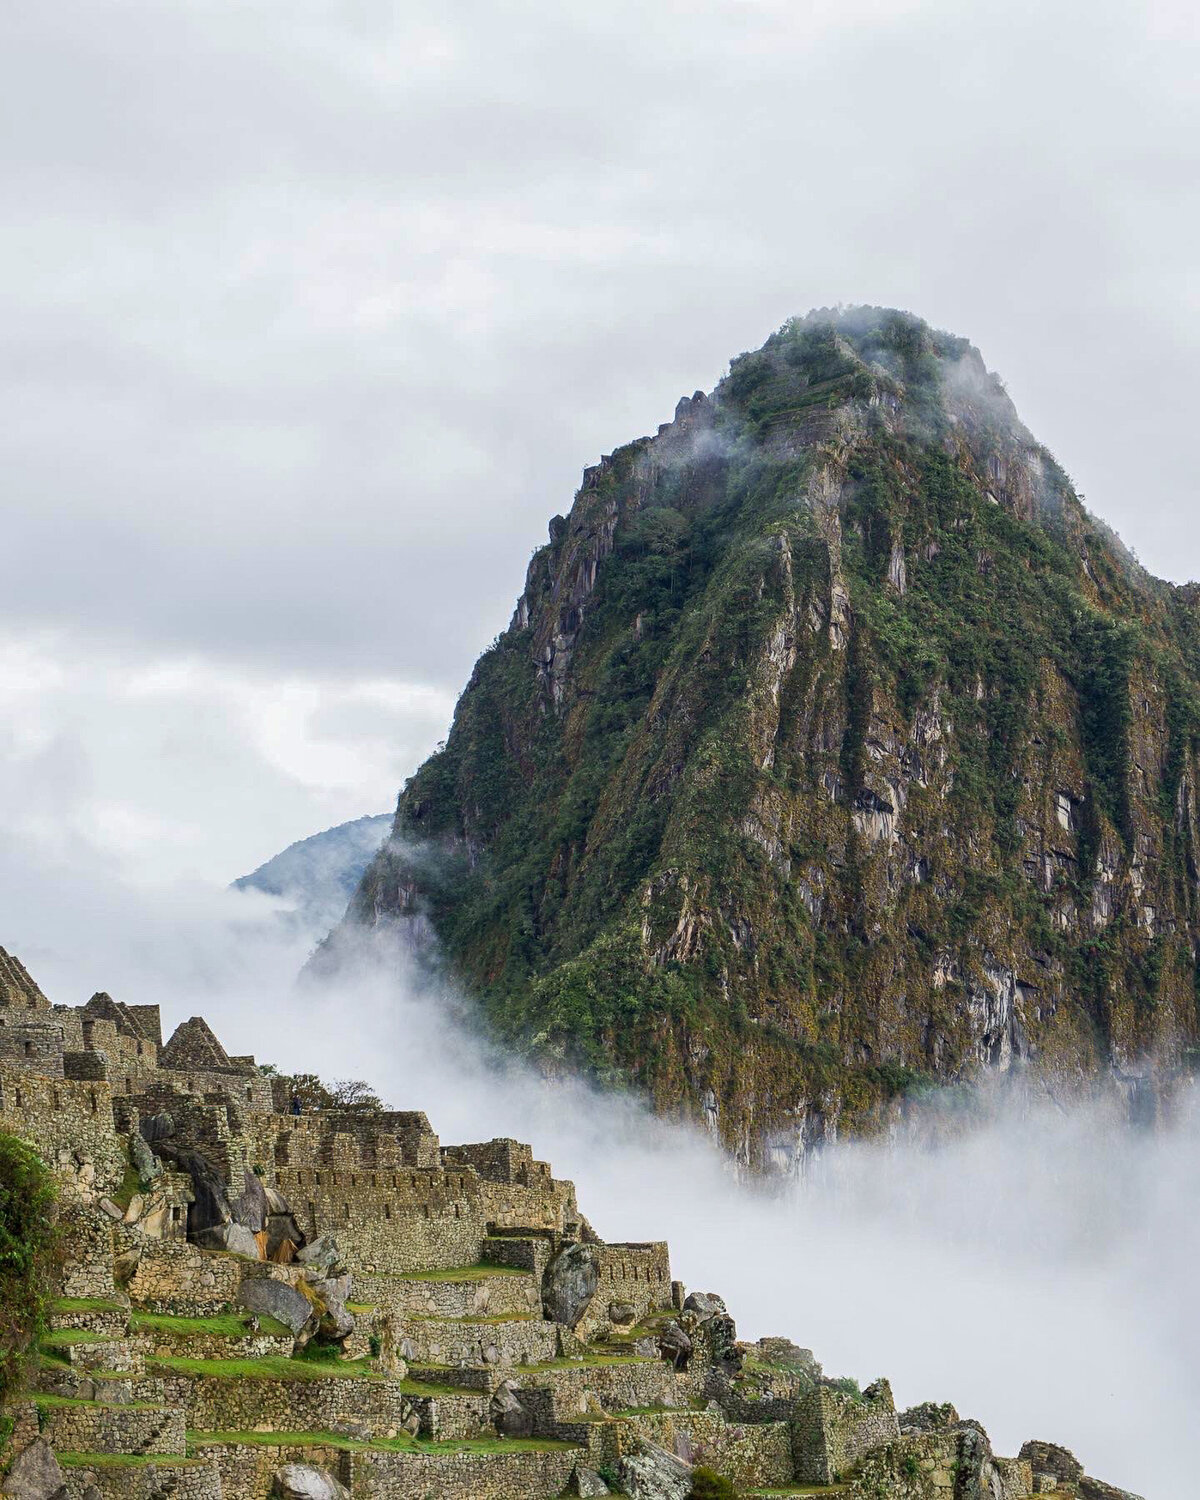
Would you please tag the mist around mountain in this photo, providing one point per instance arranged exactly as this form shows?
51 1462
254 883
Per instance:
834 751
317 876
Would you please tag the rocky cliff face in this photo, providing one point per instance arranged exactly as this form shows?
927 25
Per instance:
833 748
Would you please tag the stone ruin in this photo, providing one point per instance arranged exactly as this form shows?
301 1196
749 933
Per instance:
262 1305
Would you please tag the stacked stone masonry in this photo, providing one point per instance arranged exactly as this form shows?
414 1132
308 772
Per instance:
424 1280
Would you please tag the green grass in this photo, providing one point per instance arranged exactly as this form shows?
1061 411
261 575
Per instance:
459 1273
402 1444
86 1304
591 1361
803 1489
424 1388
269 1367
221 1325
46 1403
64 1338
126 1461
493 1318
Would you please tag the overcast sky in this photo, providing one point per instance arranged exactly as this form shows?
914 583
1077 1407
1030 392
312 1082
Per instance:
315 311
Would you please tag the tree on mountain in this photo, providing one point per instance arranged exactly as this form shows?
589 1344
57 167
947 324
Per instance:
306 1093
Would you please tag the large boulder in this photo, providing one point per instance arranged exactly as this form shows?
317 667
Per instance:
284 1236
510 1417
144 1162
675 1346
322 1255
230 1236
304 1482
337 1322
159 1127
705 1304
586 1482
210 1209
570 1284
35 1474
652 1473
275 1299
250 1207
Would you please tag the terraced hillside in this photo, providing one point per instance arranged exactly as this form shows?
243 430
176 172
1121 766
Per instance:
253 1303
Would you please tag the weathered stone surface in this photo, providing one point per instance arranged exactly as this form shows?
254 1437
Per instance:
144 1162
35 1474
231 1236
570 1284
1050 1458
675 1346
275 1299
929 1416
623 1314
322 1255
284 1236
1096 1489
210 1208
337 1322
304 1482
705 1304
654 1474
510 1417
250 1207
587 1483
157 1128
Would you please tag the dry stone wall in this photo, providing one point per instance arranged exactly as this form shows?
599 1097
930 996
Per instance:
425 1274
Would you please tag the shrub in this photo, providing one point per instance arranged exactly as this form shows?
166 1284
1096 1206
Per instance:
707 1485
28 1256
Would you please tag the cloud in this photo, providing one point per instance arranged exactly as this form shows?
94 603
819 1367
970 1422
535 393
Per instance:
165 768
1034 1265
314 314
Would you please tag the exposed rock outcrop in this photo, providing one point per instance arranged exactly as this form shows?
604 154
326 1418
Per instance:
834 748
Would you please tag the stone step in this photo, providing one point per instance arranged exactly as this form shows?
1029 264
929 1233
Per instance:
498 1470
473 1292
134 1478
56 1379
92 1427
94 1351
230 1336
502 1342
245 1402
92 1315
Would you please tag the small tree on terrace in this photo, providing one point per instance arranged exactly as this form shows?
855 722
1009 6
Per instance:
28 1256
707 1485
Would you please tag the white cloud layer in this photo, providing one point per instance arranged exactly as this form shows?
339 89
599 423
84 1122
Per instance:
154 770
315 312
1036 1269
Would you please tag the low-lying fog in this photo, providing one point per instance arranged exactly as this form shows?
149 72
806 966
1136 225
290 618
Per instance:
1039 1271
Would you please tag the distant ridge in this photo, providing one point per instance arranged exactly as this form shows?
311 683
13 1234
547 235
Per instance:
319 874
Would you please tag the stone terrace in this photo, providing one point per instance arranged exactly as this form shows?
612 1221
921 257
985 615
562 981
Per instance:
399 1319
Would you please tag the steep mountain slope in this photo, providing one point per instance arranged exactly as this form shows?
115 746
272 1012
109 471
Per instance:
833 747
318 875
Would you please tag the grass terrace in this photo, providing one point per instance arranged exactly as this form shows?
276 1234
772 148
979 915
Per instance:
197 1441
222 1325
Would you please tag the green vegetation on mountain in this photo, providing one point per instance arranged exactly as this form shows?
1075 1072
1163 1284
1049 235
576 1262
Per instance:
28 1257
834 748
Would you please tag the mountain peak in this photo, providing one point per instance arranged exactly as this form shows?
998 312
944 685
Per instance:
833 748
